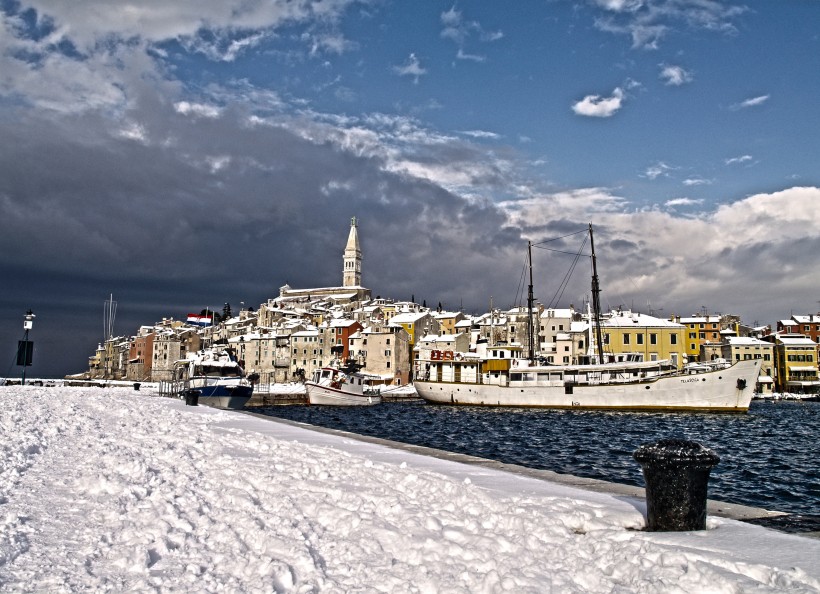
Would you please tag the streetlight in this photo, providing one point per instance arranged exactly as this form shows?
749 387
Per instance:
25 347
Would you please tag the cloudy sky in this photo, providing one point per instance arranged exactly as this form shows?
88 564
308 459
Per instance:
185 154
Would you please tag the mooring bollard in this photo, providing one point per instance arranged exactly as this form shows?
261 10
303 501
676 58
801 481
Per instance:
137 386
676 473
192 397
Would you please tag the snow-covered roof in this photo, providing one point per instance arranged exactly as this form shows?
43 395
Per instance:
796 340
637 320
699 319
407 318
341 323
557 313
746 341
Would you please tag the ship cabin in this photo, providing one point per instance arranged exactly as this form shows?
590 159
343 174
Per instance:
471 368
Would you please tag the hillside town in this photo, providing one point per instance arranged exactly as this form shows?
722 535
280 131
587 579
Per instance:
286 338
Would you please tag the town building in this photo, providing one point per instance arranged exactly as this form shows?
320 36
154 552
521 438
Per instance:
740 348
626 333
795 362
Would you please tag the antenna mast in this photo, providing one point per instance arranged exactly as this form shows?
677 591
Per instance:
530 302
109 315
596 300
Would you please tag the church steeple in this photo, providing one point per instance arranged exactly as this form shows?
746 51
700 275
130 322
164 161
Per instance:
352 258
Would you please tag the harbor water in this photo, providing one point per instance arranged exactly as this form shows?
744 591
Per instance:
768 456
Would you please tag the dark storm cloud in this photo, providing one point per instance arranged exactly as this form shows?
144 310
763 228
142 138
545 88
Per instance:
194 211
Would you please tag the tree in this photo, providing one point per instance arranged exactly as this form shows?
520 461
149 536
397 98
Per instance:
226 312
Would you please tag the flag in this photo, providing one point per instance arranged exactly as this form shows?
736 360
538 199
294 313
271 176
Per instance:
198 320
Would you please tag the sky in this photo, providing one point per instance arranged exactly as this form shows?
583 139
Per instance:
114 490
187 154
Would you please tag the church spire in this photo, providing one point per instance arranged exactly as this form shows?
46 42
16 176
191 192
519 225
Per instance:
352 274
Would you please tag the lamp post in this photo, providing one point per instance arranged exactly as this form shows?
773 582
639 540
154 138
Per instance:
24 347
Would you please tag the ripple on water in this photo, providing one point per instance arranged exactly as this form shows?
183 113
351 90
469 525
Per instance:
767 456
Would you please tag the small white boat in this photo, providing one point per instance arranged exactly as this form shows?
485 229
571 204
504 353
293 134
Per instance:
214 378
331 386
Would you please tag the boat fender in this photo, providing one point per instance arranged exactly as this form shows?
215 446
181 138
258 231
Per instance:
741 383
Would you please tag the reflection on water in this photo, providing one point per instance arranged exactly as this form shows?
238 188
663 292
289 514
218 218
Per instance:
768 456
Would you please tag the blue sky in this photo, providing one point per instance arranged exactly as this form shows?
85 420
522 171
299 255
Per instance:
185 154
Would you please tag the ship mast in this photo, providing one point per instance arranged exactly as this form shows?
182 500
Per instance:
596 300
530 303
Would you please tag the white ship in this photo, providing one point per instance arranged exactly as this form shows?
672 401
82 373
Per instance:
606 383
649 385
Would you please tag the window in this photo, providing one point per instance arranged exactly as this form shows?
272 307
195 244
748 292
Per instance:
653 339
673 339
639 338
626 338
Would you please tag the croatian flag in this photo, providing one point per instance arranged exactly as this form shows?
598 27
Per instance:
198 320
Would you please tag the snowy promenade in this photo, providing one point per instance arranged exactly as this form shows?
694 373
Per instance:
113 490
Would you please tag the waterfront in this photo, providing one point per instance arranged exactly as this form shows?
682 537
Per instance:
767 456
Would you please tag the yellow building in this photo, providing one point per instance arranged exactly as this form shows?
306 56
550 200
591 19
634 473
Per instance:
655 339
700 330
796 363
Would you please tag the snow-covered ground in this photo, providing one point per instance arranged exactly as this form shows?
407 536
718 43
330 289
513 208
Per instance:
115 490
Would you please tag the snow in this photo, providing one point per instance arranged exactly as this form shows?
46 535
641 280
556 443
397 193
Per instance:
113 490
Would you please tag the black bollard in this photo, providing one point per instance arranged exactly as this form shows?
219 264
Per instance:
676 473
137 386
192 397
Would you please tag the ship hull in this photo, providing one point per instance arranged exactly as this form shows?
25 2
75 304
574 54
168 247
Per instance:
725 390
328 396
228 394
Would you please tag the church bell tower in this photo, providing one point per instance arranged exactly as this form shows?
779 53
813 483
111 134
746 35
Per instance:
352 258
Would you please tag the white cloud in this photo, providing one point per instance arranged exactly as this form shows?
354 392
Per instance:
462 55
647 22
88 22
697 181
659 169
736 160
675 75
680 262
600 107
459 31
197 109
412 67
620 5
753 102
683 202
481 134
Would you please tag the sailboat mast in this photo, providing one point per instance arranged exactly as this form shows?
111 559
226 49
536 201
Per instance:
530 303
596 299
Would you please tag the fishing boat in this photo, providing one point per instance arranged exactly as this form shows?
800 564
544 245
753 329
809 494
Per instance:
604 381
332 386
215 378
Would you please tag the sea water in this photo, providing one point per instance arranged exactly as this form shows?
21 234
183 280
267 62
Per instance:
768 457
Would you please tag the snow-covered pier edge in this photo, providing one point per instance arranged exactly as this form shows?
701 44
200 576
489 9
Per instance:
114 490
